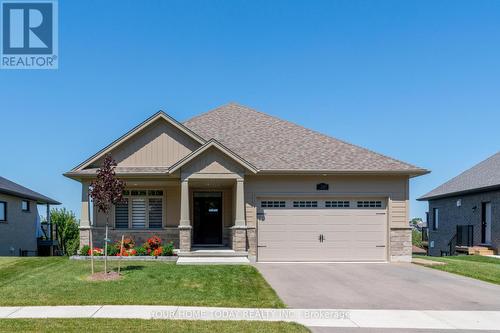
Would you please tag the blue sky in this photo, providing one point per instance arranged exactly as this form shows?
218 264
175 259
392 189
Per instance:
415 80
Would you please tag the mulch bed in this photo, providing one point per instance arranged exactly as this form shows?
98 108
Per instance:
101 276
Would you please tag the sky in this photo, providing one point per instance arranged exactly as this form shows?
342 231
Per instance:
416 80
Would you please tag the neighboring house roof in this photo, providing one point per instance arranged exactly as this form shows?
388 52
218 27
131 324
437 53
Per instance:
481 177
272 144
16 190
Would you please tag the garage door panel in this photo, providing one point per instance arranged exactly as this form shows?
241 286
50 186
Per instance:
350 234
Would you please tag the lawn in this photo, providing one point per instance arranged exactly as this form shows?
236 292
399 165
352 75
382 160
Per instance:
477 267
60 281
136 325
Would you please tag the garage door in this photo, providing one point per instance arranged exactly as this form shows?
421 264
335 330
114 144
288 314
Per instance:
322 230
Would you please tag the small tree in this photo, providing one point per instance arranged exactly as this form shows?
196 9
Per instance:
67 229
106 191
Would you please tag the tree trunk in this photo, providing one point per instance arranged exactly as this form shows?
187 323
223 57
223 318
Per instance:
106 247
91 251
121 250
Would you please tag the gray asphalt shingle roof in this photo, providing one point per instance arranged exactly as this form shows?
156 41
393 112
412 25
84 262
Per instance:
16 190
484 175
274 144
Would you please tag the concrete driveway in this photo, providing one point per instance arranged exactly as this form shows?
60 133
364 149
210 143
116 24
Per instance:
377 286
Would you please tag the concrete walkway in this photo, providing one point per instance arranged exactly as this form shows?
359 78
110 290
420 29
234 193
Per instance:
404 319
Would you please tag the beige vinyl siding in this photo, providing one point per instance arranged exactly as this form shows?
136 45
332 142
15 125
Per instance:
211 162
399 214
160 144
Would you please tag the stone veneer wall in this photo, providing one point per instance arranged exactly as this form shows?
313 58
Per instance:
251 219
400 245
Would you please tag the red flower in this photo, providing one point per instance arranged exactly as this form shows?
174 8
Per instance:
158 251
154 242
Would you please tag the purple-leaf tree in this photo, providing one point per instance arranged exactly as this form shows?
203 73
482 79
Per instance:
106 191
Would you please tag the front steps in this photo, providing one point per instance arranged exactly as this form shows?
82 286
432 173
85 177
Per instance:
481 250
213 256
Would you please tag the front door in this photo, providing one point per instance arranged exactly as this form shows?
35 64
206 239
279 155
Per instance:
207 223
486 223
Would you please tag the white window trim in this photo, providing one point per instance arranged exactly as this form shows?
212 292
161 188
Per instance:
27 205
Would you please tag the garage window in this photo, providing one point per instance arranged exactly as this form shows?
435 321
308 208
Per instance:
272 204
305 204
337 204
369 204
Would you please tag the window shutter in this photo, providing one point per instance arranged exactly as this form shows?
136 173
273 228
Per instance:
155 213
139 213
121 215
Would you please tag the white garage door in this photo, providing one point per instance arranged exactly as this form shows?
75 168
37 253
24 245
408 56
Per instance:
322 230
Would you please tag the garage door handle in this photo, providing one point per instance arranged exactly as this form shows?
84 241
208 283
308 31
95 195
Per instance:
379 245
261 245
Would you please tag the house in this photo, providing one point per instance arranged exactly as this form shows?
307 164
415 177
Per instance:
264 187
18 218
465 211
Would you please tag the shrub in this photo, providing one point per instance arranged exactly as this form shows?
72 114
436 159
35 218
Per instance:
113 250
128 243
72 246
97 251
141 251
128 253
154 242
157 252
67 229
85 250
168 249
416 237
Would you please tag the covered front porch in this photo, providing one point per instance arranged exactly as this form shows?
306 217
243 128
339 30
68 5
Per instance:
212 215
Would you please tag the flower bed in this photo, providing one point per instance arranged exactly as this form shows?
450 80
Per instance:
153 247
130 258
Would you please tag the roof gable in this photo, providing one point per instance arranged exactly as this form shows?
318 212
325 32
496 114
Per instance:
482 176
275 145
132 148
213 144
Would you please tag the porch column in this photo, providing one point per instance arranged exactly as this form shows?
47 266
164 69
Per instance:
185 223
239 237
240 203
85 216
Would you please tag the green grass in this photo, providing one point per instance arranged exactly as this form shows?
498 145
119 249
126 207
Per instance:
477 267
136 325
60 281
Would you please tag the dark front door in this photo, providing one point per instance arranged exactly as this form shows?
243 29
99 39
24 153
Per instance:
207 224
486 223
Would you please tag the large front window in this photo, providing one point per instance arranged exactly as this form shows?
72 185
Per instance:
141 209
